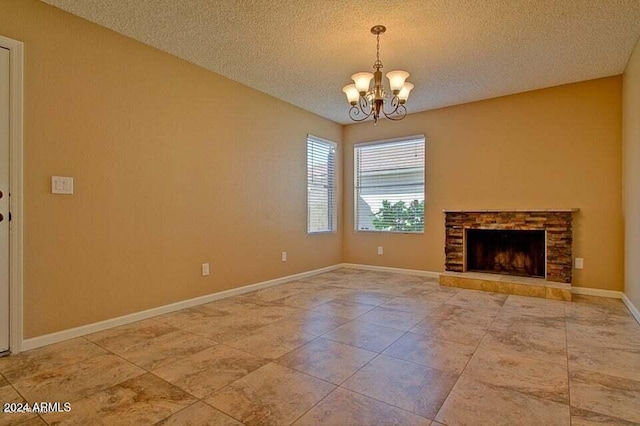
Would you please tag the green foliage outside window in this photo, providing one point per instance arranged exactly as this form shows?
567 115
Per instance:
400 216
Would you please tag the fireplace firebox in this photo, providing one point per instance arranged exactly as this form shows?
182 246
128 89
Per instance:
511 252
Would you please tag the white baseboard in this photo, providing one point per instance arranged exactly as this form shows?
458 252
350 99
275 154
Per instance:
48 339
632 308
390 269
611 294
60 336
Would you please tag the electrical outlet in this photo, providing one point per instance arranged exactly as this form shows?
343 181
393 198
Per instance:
205 269
579 263
284 256
380 250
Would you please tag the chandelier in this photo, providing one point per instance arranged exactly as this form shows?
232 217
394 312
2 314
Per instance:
369 101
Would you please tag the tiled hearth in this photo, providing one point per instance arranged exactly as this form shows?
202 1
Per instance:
557 226
507 284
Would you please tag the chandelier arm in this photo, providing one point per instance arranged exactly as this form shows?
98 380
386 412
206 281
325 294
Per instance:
399 112
364 105
395 104
354 113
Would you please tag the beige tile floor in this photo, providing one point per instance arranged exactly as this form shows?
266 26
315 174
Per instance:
348 347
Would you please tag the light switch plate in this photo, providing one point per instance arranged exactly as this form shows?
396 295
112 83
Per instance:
61 185
579 263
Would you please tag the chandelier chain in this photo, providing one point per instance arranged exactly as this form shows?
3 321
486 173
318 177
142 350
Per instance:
378 63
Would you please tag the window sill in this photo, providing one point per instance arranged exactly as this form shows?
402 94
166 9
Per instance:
373 231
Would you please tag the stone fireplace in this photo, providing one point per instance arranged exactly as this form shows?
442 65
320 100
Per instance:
556 225
510 251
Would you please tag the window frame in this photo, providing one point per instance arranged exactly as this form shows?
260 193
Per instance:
355 181
334 214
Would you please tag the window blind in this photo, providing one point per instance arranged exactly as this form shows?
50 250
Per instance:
389 186
321 185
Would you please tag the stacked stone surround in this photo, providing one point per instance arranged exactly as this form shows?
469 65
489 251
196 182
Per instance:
556 223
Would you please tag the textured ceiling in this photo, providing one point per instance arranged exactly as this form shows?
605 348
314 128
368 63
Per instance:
303 51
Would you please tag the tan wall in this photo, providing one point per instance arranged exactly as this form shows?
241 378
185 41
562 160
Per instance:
631 176
552 148
173 165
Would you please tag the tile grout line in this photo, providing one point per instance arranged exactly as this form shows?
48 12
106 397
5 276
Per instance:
472 355
358 347
269 362
566 334
339 386
65 365
595 370
119 356
385 402
179 411
524 357
314 405
25 400
223 412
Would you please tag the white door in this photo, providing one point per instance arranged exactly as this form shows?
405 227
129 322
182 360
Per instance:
4 199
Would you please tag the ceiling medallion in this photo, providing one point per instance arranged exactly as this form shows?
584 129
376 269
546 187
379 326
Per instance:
368 100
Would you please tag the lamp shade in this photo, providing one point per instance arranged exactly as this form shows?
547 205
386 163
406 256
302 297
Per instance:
404 92
352 93
362 81
396 80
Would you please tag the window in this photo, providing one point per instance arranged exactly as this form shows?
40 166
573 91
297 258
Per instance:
389 185
321 185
